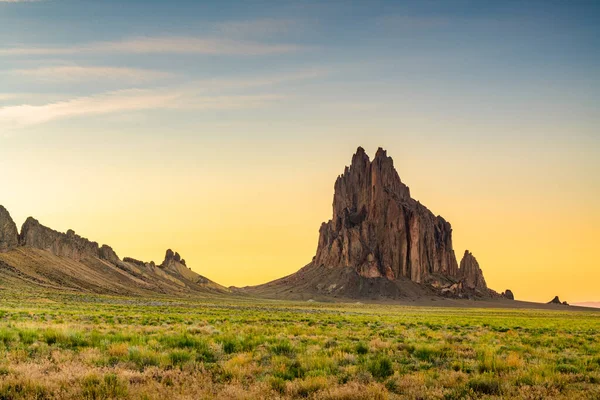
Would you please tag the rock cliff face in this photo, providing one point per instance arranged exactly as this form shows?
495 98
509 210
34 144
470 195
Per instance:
380 230
9 236
470 273
70 245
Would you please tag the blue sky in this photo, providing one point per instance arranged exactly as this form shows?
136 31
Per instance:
487 106
420 56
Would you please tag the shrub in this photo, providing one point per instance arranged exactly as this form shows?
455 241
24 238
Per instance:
485 384
490 362
111 387
293 371
23 390
429 353
52 336
143 358
230 345
277 384
283 348
381 367
309 386
362 348
7 336
179 357
28 336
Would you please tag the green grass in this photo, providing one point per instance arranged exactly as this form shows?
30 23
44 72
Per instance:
100 347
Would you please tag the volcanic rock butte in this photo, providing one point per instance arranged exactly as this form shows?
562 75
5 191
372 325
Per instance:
42 256
9 236
380 233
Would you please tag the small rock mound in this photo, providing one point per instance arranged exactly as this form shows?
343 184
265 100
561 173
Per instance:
556 300
508 294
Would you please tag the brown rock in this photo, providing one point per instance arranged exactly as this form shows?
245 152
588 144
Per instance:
133 261
172 261
9 236
380 230
470 273
70 245
508 294
556 300
107 253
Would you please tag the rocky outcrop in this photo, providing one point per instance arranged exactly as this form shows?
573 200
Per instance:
9 236
556 300
97 269
70 245
508 294
470 273
173 261
107 253
380 230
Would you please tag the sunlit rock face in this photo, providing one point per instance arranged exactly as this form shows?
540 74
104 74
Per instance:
380 230
9 235
471 275
70 245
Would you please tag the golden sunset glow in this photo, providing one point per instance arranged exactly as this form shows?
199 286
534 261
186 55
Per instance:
221 136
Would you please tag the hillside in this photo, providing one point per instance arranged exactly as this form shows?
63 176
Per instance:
42 257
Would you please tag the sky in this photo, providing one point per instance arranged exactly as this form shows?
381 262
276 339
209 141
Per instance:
217 129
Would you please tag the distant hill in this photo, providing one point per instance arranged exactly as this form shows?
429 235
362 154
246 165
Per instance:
381 243
593 304
40 256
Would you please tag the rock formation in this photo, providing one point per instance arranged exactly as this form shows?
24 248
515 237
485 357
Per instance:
508 294
107 253
470 273
556 300
9 236
70 245
380 230
90 267
381 243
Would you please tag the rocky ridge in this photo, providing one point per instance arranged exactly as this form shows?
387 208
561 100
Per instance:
172 272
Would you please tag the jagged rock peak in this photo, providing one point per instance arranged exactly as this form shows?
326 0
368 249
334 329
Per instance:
470 273
70 245
379 229
9 235
171 257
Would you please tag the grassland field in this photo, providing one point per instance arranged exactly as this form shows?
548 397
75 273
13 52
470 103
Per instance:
71 346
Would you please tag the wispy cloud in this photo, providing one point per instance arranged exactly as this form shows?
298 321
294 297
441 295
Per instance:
86 73
256 28
162 45
121 101
200 95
